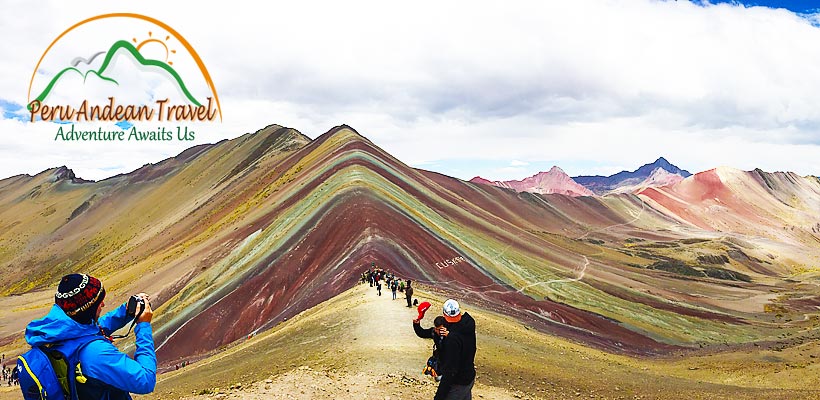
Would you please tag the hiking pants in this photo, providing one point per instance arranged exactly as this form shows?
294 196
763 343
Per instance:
460 392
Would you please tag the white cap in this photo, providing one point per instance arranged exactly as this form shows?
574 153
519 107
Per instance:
451 310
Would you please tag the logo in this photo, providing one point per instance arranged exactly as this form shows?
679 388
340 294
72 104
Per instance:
127 76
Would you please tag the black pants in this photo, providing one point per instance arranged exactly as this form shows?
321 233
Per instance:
461 392
409 299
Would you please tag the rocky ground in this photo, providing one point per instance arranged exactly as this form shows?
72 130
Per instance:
306 383
362 346
366 350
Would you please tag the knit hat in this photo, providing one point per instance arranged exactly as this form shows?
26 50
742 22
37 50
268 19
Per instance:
78 295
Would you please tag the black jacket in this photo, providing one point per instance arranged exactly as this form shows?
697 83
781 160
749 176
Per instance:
430 333
457 362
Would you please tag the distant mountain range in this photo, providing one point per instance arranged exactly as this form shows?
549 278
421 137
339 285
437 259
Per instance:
553 181
604 184
232 238
659 173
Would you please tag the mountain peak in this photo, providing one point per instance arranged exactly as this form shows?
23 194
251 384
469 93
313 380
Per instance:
342 132
554 181
64 173
647 169
604 184
662 162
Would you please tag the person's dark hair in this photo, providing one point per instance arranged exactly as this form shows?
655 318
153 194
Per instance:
439 321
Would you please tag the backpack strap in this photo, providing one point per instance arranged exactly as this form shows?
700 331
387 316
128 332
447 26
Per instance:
33 376
76 375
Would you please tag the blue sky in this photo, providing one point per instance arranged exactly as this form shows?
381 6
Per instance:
11 110
803 7
502 91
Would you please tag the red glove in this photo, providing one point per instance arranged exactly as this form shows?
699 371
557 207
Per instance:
423 309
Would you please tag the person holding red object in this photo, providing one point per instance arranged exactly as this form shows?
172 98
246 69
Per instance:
457 363
438 333
456 347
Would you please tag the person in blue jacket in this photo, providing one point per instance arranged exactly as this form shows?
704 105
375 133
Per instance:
75 318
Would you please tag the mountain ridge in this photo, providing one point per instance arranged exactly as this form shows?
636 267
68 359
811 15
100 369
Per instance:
603 184
231 238
553 181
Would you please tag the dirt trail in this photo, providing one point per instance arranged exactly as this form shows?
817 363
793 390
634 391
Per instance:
374 354
361 346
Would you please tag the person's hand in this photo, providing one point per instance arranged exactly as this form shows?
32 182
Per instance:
442 331
147 313
416 321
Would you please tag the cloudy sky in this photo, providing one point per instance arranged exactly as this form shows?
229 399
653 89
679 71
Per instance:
497 89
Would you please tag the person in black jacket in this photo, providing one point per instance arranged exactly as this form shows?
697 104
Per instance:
408 293
434 333
456 346
457 363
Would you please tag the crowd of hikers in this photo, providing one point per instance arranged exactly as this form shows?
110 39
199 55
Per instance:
452 363
180 365
11 375
393 283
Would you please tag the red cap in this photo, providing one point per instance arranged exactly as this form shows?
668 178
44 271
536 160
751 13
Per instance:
423 309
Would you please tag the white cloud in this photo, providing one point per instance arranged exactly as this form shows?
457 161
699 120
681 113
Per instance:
582 84
517 163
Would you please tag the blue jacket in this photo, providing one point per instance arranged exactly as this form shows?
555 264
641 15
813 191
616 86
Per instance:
100 360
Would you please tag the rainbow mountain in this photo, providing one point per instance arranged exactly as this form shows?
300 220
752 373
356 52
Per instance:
235 237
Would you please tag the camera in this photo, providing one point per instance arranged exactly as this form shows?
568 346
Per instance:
135 306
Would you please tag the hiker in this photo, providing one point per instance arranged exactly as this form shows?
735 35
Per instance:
408 293
457 363
74 325
437 334
394 287
379 287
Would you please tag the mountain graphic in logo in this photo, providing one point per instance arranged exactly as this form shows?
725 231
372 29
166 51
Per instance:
100 72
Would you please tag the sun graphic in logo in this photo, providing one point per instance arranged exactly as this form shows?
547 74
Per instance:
162 43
